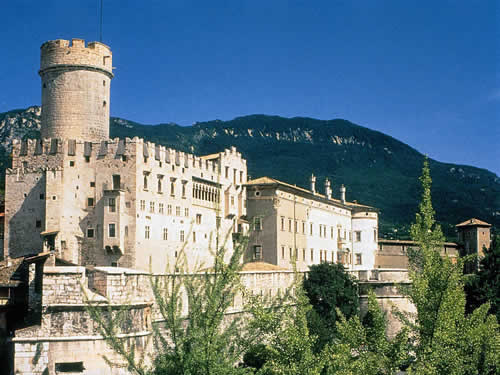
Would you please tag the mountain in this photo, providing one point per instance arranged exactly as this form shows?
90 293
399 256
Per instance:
377 169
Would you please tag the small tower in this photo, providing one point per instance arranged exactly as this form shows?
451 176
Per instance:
75 89
474 234
342 194
313 183
328 190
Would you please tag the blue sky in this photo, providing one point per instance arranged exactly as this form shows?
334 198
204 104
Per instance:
424 72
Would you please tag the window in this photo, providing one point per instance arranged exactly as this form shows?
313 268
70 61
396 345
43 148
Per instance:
143 204
152 207
296 224
160 208
227 172
111 230
177 211
290 252
331 232
116 182
312 255
159 185
375 235
172 188
183 190
42 196
147 232
186 212
169 209
64 245
181 237
321 256
92 183
304 255
165 234
112 204
282 252
194 237
282 223
87 159
357 236
71 163
90 232
241 177
358 259
232 201
257 252
90 202
339 257
350 236
303 227
289 225
339 234
38 223
311 229
73 367
257 222
198 218
145 182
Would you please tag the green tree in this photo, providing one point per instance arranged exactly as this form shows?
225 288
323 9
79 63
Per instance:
202 341
362 347
329 287
440 329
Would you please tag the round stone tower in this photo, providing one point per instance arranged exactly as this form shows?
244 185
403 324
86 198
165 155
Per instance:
75 89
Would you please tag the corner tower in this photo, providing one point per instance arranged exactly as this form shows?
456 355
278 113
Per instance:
75 89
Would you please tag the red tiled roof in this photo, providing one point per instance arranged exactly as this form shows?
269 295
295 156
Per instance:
473 222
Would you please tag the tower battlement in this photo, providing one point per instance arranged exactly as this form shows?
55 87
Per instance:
62 54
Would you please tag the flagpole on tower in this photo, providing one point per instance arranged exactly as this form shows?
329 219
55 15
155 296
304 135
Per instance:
100 23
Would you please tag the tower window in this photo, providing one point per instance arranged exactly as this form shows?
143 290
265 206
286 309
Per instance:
104 83
104 103
90 232
44 86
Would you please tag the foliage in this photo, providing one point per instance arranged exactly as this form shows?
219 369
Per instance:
329 289
289 348
440 329
361 347
201 341
484 285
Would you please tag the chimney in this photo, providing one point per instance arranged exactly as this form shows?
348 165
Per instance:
342 194
328 190
313 183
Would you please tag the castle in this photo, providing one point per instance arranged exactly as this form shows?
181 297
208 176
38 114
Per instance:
91 217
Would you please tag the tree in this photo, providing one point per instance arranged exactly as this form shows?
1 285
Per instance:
202 341
441 331
361 346
329 287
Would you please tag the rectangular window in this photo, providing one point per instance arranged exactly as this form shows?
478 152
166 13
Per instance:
169 209
282 223
339 236
296 226
112 230
321 256
177 211
147 232
358 236
226 172
358 259
90 232
331 232
312 255
282 252
257 252
257 222
116 182
241 177
304 255
165 234
350 236
303 227
143 205
90 202
186 212
92 183
152 207
181 236
160 185
172 188
290 252
160 208
198 218
194 237
375 235
232 201
112 204
339 257
289 225
311 229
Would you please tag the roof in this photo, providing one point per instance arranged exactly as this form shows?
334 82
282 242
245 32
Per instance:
271 181
473 223
7 270
261 266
